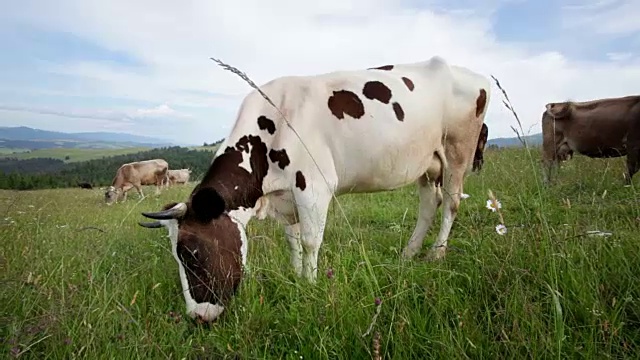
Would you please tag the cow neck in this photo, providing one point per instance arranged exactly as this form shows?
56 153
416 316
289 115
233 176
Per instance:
237 175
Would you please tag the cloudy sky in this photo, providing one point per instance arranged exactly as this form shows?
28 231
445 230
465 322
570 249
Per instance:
143 66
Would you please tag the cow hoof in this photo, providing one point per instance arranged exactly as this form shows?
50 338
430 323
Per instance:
408 253
436 253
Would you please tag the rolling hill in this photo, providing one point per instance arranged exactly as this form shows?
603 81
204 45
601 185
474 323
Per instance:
22 138
532 140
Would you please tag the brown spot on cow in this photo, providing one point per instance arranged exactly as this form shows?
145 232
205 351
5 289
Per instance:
383 67
481 101
409 83
397 109
345 102
301 182
279 157
377 90
264 123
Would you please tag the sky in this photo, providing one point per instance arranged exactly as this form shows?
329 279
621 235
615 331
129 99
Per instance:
143 67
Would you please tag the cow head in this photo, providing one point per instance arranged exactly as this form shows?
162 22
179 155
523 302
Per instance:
209 245
558 110
111 195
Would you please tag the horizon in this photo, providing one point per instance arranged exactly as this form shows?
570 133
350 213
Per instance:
145 69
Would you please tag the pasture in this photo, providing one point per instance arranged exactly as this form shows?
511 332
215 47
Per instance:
75 155
83 280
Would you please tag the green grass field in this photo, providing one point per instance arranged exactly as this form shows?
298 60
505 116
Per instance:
543 290
75 155
11 151
78 155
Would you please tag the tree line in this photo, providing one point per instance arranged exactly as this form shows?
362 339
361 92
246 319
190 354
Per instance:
48 173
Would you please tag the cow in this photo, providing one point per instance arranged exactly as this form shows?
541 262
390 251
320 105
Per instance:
318 137
180 176
85 185
478 157
136 174
602 128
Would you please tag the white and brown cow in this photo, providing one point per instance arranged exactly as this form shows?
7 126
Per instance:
350 132
601 128
179 176
136 174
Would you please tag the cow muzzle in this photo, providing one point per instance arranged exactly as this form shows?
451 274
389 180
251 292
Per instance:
206 312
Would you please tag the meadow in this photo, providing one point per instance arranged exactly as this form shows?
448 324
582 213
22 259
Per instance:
83 280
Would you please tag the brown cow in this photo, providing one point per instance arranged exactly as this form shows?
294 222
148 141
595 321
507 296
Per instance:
136 174
478 157
603 128
180 176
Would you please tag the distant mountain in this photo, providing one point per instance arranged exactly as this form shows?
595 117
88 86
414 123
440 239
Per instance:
28 138
27 133
532 140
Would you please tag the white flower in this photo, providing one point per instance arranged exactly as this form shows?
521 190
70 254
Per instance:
464 196
501 229
491 206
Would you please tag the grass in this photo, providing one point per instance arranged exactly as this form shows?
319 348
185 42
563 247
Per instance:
543 290
75 155
10 151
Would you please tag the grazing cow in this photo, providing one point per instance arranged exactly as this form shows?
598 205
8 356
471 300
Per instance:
85 185
603 128
136 174
353 132
180 176
478 157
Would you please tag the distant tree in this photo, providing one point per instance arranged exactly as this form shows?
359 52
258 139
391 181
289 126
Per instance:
67 157
42 173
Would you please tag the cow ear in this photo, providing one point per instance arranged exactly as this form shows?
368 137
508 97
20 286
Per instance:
207 204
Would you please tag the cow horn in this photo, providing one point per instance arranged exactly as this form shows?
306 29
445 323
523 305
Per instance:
150 225
174 213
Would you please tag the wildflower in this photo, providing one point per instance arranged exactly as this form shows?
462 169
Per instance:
464 196
494 205
330 273
501 229
378 301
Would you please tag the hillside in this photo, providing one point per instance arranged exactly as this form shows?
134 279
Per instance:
49 172
23 138
532 140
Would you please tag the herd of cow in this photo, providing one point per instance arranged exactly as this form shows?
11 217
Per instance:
351 132
148 172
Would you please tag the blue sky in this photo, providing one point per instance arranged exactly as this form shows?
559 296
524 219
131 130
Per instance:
144 67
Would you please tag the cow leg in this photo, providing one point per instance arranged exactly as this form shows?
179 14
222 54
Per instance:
450 207
159 184
633 165
139 188
430 199
312 206
295 246
452 188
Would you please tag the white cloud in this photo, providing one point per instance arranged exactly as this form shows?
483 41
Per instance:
604 16
161 112
175 39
